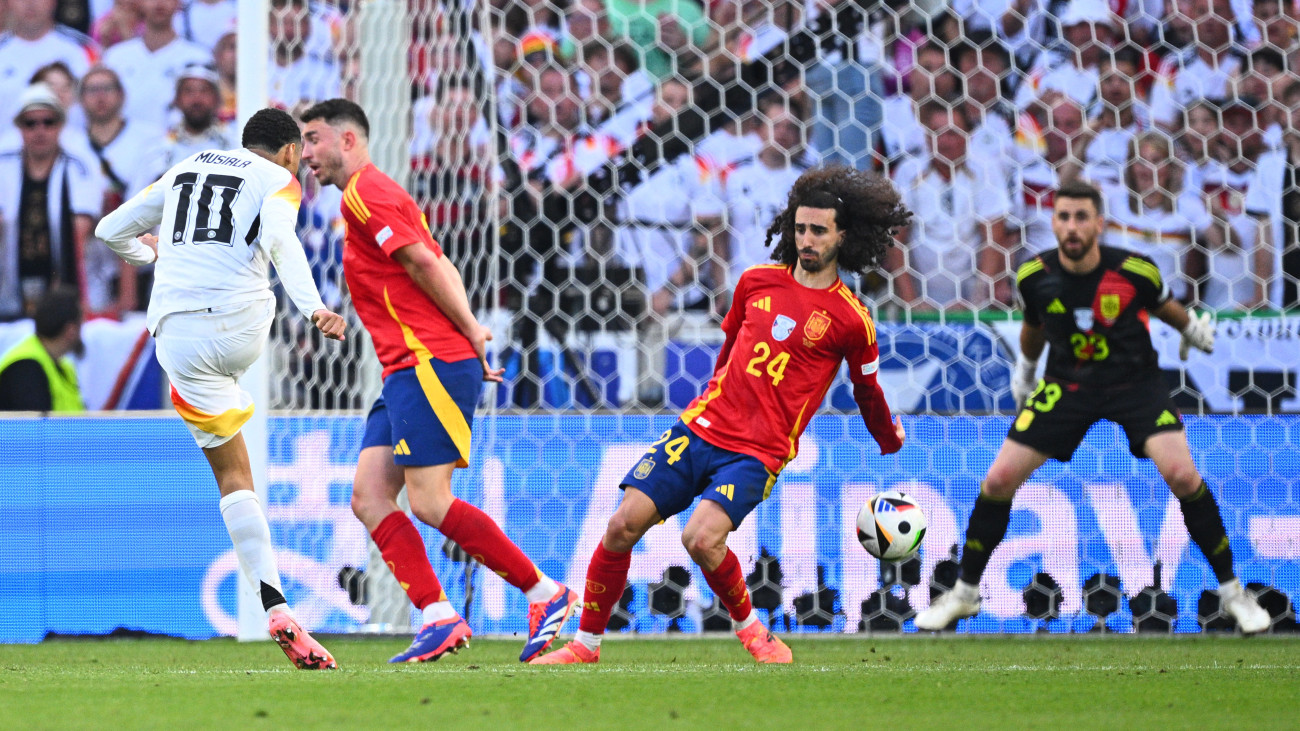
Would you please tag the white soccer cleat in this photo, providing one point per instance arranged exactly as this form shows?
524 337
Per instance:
1241 606
963 601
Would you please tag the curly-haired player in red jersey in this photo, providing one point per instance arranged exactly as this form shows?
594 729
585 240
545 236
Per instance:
434 352
790 326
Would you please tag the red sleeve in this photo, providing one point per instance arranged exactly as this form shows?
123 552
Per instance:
864 361
731 324
392 218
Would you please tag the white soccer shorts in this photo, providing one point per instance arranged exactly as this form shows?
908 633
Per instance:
204 353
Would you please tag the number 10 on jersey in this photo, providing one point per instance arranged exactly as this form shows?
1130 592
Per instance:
203 230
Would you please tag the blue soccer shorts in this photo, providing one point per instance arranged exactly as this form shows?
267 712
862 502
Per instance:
426 412
680 466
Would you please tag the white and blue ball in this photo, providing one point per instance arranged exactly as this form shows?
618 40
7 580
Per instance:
891 526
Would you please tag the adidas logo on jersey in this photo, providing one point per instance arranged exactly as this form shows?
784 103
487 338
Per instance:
764 304
1056 308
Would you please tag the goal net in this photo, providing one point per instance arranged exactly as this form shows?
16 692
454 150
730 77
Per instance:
601 172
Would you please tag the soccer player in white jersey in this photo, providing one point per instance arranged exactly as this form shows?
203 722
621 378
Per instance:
222 216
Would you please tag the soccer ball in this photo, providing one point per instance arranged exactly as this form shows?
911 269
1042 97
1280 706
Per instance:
891 526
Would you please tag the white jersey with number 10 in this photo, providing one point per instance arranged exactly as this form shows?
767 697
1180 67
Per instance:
222 217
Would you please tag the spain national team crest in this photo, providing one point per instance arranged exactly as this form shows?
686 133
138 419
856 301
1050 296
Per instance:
782 326
643 469
1083 318
1109 308
816 326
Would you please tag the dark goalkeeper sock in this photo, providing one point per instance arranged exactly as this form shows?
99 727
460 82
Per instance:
987 528
1205 524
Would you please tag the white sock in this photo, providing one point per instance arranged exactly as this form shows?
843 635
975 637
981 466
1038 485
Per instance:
588 640
542 591
251 536
966 591
1230 588
438 611
742 624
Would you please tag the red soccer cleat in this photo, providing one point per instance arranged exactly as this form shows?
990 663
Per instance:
574 653
303 651
764 646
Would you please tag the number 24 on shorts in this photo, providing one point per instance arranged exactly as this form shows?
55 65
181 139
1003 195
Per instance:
673 449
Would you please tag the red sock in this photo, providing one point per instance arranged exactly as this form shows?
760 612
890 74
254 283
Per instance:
606 578
482 538
404 552
728 583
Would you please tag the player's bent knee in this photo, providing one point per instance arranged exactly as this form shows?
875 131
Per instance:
621 535
1000 486
1183 479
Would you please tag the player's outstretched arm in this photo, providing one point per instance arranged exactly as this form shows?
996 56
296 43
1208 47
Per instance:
280 240
1197 329
120 228
438 279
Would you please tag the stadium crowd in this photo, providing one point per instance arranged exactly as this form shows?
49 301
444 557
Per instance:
1187 112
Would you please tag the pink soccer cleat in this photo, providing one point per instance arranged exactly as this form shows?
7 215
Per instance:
574 653
303 651
764 646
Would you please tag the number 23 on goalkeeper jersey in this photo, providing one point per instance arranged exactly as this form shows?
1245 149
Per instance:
783 348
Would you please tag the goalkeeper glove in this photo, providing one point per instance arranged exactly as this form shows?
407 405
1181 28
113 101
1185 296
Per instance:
1199 334
1023 379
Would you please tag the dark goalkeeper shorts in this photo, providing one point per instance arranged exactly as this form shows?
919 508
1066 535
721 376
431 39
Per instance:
1057 416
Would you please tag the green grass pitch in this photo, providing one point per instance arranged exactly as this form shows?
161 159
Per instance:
854 682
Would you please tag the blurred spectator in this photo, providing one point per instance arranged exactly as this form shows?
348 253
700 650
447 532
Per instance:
294 75
1265 78
1024 24
63 83
198 98
1203 69
668 34
1121 114
954 253
756 189
36 374
928 78
1049 142
1278 24
49 201
149 65
845 84
662 232
1273 201
34 41
620 94
205 21
75 14
116 144
1223 178
123 21
453 179
585 22
1157 212
1087 35
985 71
225 61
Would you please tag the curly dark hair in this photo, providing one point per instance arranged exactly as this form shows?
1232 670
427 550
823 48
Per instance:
270 129
868 209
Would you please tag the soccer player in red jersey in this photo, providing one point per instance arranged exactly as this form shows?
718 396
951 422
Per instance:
790 326
434 353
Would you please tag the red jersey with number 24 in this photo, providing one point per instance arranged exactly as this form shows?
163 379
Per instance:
404 323
783 348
